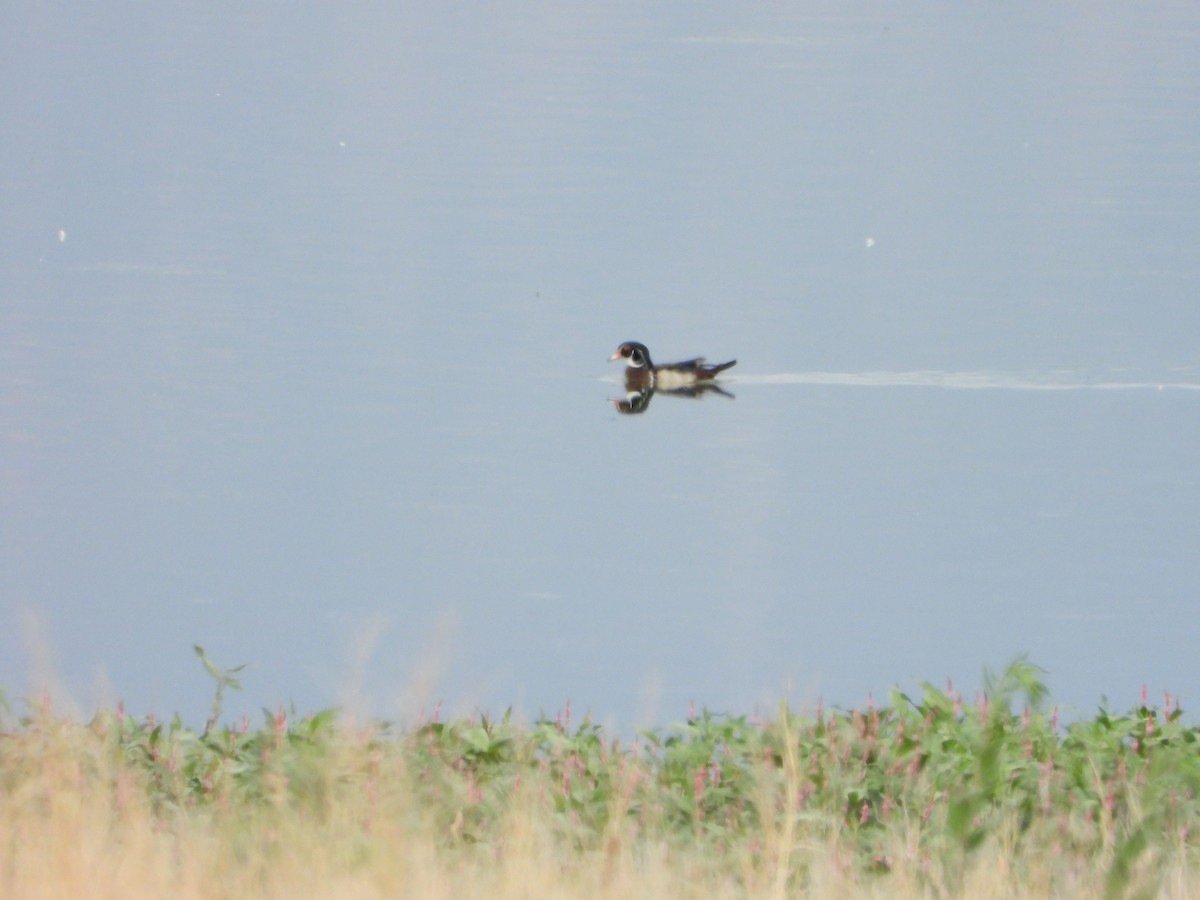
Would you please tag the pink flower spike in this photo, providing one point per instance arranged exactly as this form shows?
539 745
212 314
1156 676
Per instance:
1145 696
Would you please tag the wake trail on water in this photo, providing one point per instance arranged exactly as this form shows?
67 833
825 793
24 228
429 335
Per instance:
1059 380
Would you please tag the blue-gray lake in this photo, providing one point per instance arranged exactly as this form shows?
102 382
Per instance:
305 316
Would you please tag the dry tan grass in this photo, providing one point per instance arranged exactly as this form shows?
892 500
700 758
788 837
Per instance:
77 820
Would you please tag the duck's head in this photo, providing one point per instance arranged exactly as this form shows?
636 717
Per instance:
635 355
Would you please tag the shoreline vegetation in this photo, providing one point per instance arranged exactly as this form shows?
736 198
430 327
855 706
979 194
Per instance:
929 795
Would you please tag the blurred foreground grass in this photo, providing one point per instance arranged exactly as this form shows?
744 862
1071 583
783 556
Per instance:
926 796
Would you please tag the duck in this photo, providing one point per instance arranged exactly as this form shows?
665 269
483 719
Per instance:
640 371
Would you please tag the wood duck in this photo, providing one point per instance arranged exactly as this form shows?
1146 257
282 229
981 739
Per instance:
641 372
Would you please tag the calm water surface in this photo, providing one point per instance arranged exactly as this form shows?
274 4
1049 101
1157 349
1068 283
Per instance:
304 319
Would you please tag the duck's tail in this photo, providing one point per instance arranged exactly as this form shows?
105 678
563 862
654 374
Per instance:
713 371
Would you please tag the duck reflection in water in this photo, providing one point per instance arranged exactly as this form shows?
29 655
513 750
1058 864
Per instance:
690 378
